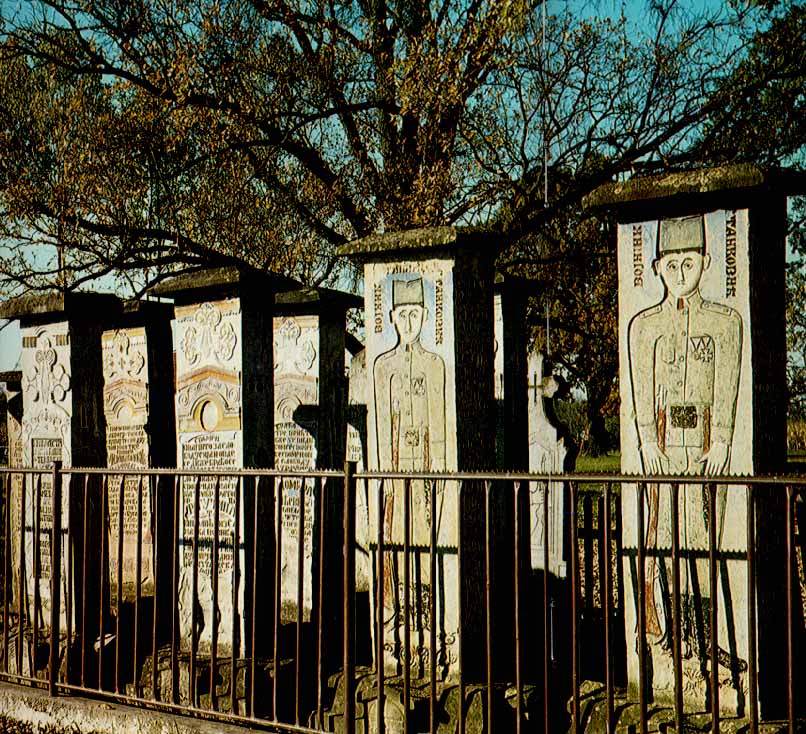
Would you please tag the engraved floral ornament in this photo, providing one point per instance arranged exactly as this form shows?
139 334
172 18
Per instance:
50 379
302 356
120 361
209 337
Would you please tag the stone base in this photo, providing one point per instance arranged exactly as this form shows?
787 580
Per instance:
418 715
34 662
220 700
660 718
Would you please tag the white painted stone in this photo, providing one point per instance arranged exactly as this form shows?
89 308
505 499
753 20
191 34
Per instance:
412 419
208 411
356 450
686 407
126 404
547 454
46 437
296 386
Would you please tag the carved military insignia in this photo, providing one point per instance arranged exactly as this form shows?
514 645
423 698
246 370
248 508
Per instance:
412 437
418 385
684 416
702 348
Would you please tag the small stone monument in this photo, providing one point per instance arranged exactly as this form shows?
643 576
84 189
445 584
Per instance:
12 389
548 454
429 365
140 433
62 420
224 376
357 452
703 392
309 390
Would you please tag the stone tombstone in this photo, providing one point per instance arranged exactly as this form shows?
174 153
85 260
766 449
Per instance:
62 420
357 401
12 390
703 391
138 405
309 385
222 340
548 454
428 318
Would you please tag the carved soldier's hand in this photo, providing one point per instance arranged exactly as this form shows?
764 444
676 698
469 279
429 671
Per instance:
715 459
654 458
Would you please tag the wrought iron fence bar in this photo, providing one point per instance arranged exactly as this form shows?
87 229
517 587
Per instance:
406 656
752 637
138 579
488 607
432 607
37 572
380 582
575 682
642 673
714 591
6 564
348 641
278 565
516 495
546 619
194 591
214 581
119 600
236 579
55 577
607 597
157 535
790 606
677 632
84 571
175 553
300 590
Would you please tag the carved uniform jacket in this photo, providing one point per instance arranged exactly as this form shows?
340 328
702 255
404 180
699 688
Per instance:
410 409
685 357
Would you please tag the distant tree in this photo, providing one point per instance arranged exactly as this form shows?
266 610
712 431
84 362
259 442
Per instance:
145 135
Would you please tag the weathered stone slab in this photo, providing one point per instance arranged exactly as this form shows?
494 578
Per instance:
61 421
357 452
138 406
309 345
12 389
702 356
428 317
209 363
548 454
223 348
296 375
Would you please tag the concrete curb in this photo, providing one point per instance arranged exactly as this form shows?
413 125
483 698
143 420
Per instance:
32 710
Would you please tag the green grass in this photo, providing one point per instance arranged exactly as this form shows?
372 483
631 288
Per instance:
610 463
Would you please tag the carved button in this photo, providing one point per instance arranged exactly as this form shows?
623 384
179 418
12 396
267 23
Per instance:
680 359
680 383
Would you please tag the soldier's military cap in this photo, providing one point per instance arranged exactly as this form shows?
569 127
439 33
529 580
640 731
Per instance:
407 292
686 234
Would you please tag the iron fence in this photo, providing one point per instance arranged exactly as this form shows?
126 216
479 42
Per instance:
235 596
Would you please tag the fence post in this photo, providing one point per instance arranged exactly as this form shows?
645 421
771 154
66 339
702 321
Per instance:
55 576
349 597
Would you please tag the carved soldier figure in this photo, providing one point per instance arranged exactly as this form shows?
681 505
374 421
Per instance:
410 390
685 356
409 384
